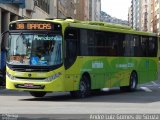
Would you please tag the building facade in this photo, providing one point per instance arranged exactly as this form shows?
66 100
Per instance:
82 10
153 26
31 9
79 9
130 20
155 11
149 15
135 14
40 9
145 15
94 10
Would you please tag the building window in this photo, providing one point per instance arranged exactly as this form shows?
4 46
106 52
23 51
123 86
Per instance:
44 5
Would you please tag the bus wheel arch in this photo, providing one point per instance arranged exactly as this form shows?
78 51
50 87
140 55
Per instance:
133 82
84 87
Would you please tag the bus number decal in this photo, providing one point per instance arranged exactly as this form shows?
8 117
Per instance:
20 26
97 64
127 65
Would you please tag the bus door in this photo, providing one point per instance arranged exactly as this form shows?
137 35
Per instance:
71 52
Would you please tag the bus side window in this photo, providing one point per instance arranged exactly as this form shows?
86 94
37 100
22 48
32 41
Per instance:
100 44
128 45
144 46
137 46
84 50
152 48
111 44
71 46
91 42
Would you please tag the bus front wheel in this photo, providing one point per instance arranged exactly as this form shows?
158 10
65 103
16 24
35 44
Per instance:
38 94
132 85
84 88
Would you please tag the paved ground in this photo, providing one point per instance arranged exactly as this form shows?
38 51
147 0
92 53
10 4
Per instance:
145 100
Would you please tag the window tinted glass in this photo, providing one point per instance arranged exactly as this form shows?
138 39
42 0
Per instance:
71 46
83 43
101 43
152 52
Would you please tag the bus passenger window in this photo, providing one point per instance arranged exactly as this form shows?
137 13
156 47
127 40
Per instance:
84 50
99 44
137 46
128 45
152 47
90 43
144 46
111 44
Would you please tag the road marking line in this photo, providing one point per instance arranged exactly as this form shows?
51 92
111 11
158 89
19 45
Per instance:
150 85
155 83
146 89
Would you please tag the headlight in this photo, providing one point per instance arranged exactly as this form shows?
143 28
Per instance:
10 76
46 80
53 77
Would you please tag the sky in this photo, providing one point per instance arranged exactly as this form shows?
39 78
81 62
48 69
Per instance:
116 8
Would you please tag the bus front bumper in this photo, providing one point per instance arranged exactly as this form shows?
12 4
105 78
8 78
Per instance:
55 85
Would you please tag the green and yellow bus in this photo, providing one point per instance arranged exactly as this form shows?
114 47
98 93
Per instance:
77 56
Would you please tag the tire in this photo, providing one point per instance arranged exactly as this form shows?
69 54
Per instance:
133 82
84 88
38 94
132 85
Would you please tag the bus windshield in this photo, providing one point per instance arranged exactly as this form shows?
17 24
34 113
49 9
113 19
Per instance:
34 49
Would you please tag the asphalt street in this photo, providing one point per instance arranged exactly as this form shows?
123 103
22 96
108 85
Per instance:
145 100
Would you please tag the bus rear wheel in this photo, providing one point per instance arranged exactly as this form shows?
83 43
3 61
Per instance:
38 94
132 85
84 88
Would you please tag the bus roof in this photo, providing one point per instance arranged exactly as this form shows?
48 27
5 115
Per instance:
94 25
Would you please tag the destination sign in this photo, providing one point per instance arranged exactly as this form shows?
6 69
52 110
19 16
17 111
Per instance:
35 26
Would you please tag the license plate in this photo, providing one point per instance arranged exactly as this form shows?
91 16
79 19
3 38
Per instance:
28 85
